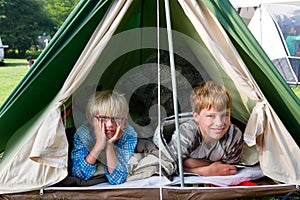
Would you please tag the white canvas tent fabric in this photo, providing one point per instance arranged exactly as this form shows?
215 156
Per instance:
265 27
2 47
40 160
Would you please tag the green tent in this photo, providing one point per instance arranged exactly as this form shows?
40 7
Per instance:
114 45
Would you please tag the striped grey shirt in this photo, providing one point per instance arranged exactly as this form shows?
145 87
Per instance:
228 149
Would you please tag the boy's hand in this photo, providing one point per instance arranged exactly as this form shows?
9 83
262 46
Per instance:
99 130
100 144
117 135
221 169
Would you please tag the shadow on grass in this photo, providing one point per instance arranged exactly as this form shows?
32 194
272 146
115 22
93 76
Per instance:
15 63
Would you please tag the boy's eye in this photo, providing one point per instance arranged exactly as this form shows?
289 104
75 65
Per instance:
210 116
107 118
226 115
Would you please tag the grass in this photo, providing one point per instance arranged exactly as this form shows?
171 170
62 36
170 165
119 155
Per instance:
297 91
10 75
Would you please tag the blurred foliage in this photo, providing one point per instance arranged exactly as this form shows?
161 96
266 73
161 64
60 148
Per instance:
59 10
22 22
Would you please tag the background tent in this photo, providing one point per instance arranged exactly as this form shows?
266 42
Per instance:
114 44
2 47
270 25
247 8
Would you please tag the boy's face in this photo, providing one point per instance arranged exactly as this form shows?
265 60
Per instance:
213 124
110 124
110 127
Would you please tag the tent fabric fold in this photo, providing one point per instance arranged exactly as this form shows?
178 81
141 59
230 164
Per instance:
51 143
20 173
256 124
283 146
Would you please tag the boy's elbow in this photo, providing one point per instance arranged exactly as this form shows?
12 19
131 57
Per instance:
81 176
79 173
117 180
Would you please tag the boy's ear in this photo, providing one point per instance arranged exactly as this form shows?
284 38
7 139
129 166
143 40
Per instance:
90 119
195 115
125 123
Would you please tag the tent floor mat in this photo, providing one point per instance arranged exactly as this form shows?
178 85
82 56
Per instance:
266 188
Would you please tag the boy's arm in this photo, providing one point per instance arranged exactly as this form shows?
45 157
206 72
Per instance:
111 157
123 149
81 168
205 168
188 132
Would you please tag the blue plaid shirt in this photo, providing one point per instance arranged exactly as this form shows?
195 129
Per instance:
124 150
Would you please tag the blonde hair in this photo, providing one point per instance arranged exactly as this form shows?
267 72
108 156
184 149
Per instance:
109 103
210 95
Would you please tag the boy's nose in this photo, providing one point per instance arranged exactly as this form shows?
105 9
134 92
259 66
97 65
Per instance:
109 122
219 120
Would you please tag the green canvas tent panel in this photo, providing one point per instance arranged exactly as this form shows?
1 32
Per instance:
112 42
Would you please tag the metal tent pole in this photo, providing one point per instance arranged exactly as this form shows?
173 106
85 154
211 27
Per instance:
174 87
158 94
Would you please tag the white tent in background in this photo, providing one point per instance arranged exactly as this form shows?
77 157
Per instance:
256 3
269 25
247 8
2 52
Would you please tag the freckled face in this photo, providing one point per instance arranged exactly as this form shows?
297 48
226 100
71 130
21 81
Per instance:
213 124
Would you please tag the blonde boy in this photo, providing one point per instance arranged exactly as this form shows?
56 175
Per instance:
105 138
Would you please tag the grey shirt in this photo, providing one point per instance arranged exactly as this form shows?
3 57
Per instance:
228 149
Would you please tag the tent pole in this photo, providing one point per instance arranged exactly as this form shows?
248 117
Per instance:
174 87
159 100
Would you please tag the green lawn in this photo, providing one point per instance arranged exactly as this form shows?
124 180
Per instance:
10 75
297 91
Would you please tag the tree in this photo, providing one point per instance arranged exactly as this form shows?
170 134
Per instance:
59 10
21 22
